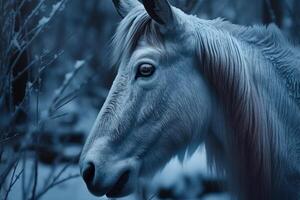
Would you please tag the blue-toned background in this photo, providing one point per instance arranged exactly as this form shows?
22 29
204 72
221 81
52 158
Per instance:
55 75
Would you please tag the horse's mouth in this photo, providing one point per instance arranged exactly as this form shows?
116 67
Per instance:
119 188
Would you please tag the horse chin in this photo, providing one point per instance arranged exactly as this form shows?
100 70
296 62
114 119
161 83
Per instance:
117 192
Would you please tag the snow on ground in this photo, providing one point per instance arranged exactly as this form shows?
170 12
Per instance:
170 176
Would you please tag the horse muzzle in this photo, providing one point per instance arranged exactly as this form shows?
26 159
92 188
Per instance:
113 180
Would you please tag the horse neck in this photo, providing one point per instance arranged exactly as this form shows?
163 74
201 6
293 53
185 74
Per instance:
249 139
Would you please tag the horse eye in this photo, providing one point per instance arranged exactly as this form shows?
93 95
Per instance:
145 70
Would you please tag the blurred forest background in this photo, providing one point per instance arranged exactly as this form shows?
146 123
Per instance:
54 78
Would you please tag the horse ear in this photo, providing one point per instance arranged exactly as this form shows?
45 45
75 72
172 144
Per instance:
160 11
123 7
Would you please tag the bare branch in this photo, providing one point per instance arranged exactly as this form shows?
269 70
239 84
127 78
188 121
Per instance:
68 79
53 184
13 180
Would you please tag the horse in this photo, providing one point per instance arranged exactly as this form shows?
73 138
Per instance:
183 81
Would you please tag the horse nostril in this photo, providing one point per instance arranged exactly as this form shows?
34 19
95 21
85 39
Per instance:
88 172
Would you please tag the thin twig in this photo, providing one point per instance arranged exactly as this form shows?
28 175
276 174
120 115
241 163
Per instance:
8 168
58 116
37 30
61 172
65 100
35 178
53 184
152 196
68 80
24 191
5 140
33 13
57 176
13 179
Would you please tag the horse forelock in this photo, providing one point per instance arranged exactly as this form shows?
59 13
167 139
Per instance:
135 26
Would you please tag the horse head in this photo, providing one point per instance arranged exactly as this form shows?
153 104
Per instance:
158 105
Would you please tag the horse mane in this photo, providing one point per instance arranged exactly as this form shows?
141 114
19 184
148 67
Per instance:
275 47
255 142
249 143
